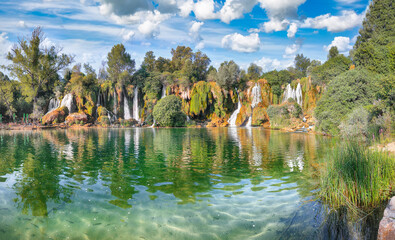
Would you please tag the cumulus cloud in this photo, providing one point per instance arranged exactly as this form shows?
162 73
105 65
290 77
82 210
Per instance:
342 44
235 9
347 20
127 34
268 64
291 50
5 47
205 9
281 9
149 28
275 25
240 43
194 33
293 28
22 24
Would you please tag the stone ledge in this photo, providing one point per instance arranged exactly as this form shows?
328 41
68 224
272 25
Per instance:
387 224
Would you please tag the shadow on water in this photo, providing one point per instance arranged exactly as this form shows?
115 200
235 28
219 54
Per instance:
227 183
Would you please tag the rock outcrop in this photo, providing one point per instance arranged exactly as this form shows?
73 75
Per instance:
77 118
55 116
387 224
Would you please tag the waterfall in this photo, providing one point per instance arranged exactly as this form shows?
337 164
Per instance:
249 121
67 101
136 104
163 92
256 95
153 125
126 110
233 117
111 117
293 93
53 104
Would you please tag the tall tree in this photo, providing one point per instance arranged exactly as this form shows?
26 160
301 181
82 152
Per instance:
333 52
254 72
6 94
228 75
375 48
36 66
120 66
301 63
149 61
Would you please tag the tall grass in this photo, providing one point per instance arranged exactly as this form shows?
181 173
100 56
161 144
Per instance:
358 178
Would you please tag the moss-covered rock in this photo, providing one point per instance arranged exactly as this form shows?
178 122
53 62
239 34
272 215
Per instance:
242 117
56 116
78 118
103 120
259 116
102 111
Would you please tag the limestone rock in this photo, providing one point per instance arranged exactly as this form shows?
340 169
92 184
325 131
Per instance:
77 117
387 224
56 116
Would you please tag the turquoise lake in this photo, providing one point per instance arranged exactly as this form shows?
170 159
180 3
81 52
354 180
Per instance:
142 183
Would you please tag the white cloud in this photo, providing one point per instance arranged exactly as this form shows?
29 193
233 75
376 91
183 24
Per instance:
291 50
347 20
268 64
281 9
5 47
275 25
235 9
127 34
200 45
293 28
342 44
347 1
149 29
22 24
240 43
204 10
194 31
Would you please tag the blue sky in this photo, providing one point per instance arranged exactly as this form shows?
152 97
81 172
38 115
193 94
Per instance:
267 32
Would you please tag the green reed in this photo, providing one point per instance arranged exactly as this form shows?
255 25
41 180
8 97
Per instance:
357 177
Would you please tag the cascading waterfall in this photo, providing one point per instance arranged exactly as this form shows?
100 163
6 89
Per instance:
153 125
249 121
126 110
136 105
293 93
256 95
53 104
233 117
67 101
163 92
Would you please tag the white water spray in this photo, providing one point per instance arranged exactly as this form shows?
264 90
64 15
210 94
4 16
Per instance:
296 93
256 95
53 104
136 104
67 101
233 117
163 92
126 109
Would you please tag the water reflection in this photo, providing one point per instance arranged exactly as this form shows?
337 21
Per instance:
229 170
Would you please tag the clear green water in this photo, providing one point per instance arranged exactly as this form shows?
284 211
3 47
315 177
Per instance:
222 183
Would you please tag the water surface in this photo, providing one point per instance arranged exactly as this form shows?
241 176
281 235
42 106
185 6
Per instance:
220 183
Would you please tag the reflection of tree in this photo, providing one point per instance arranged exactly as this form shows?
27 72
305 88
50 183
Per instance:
40 179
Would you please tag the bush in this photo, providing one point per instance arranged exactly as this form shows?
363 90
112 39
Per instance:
356 124
357 177
345 92
168 112
278 116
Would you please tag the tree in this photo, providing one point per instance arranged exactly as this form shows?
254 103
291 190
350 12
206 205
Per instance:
333 52
149 61
179 56
347 91
375 48
36 66
254 72
168 112
301 63
120 66
6 94
228 75
323 74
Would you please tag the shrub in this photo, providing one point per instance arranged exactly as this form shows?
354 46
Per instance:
168 112
345 92
356 124
357 177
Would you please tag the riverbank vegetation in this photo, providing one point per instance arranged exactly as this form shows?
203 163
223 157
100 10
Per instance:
358 178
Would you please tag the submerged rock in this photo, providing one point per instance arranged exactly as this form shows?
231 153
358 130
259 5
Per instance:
387 224
55 116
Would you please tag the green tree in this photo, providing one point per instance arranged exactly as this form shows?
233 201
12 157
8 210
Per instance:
6 94
254 72
323 74
36 67
301 63
347 91
168 112
229 74
149 61
333 52
120 66
375 45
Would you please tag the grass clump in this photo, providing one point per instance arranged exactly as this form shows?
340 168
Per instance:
358 178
